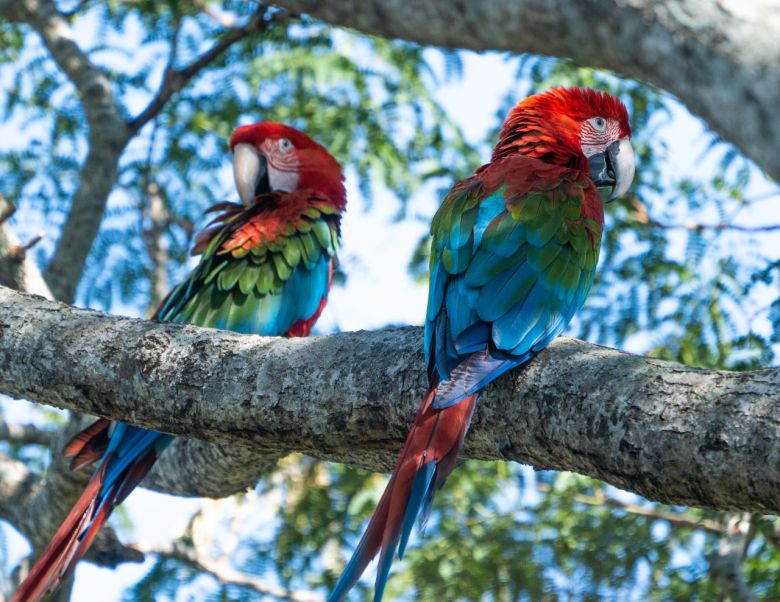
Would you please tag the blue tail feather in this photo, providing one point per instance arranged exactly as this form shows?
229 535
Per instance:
417 498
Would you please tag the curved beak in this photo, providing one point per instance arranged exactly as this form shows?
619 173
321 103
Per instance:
614 168
250 172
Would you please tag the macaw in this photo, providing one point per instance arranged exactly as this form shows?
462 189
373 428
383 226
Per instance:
514 253
265 268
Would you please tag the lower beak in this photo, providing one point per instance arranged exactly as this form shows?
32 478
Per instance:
614 168
250 172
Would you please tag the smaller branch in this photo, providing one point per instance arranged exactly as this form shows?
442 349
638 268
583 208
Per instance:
223 572
24 434
641 215
725 562
685 521
225 20
19 252
36 506
6 210
696 227
175 79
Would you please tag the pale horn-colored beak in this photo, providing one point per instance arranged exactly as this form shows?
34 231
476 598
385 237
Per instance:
621 155
614 167
249 170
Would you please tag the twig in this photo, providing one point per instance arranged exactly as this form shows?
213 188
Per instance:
223 572
684 521
642 216
19 252
175 79
226 21
696 227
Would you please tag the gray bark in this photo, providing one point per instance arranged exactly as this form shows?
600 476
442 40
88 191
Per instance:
17 269
666 431
719 58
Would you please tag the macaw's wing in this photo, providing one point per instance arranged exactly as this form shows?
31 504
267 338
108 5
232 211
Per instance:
264 270
513 257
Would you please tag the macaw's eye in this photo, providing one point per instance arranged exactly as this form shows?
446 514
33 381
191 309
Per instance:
598 123
285 145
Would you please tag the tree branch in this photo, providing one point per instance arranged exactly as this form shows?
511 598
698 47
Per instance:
24 434
665 431
17 270
726 561
107 138
719 58
224 572
37 516
175 79
680 520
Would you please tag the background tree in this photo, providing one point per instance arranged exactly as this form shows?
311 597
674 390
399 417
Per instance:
116 115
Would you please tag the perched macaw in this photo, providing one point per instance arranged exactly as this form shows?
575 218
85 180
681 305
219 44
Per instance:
513 257
265 268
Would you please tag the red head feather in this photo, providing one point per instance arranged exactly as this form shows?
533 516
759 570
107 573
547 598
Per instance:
548 126
315 167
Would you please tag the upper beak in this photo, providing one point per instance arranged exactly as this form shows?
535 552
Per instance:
250 172
614 167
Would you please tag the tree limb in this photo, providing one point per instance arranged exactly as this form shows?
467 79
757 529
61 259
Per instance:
665 431
676 519
24 434
17 271
107 138
33 506
175 79
224 572
719 58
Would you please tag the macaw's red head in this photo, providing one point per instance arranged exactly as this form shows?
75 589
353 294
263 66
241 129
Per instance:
574 127
269 156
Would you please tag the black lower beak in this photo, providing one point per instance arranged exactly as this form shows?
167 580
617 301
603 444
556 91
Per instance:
602 171
614 168
263 184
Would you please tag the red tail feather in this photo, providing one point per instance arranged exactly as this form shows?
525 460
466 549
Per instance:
57 558
84 521
89 445
436 436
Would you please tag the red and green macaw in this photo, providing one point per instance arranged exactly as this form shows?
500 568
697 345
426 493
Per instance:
513 257
265 268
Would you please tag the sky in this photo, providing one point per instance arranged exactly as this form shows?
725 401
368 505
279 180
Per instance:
379 289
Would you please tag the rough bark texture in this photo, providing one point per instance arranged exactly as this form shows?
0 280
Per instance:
665 431
719 58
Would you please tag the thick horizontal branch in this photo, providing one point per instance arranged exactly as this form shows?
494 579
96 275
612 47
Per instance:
719 58
665 431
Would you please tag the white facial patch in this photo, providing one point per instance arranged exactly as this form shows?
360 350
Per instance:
592 149
283 181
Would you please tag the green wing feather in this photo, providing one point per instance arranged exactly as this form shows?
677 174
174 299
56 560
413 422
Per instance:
513 258
262 287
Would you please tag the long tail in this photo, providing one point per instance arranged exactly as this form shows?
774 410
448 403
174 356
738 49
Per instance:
128 454
428 457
